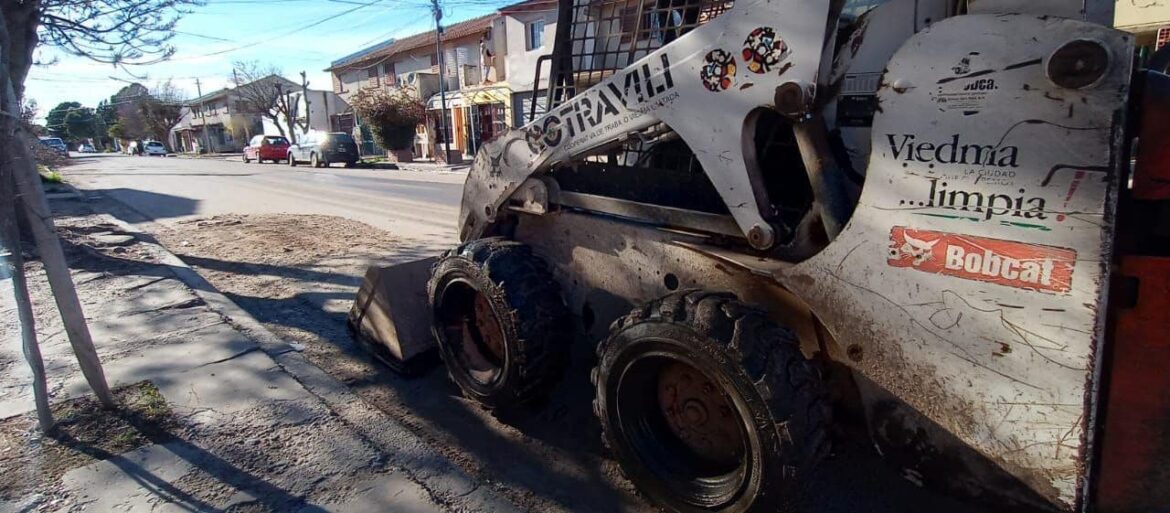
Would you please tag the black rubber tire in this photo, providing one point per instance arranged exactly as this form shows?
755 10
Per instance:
246 159
314 161
526 303
778 395
292 162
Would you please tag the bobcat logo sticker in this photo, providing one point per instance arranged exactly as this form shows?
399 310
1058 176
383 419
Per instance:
918 251
1007 263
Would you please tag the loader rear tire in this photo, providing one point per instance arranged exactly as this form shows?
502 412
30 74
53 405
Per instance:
710 406
501 325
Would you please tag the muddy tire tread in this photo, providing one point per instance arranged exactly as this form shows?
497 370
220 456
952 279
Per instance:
768 353
542 324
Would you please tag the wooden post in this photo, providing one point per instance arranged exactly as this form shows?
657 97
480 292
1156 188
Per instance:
36 207
12 266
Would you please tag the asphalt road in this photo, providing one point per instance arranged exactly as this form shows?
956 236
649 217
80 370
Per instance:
421 205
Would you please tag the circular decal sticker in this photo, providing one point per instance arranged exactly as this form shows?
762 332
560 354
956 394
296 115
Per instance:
763 50
718 70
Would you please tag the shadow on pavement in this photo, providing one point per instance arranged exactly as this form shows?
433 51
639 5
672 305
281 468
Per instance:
161 206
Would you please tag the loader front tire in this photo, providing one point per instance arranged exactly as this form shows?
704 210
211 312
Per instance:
502 328
710 406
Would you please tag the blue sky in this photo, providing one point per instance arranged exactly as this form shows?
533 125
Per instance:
288 34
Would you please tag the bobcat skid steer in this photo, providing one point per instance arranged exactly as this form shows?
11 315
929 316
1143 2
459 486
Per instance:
916 215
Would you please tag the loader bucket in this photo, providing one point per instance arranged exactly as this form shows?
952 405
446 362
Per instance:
391 318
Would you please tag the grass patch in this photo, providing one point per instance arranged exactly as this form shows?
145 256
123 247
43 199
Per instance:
48 175
85 433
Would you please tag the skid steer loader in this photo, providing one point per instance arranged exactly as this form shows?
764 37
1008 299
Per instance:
916 215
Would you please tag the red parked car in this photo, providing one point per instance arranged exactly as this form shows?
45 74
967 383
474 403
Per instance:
273 148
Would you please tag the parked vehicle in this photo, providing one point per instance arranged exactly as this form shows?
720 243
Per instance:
320 149
266 147
85 148
56 144
133 148
152 148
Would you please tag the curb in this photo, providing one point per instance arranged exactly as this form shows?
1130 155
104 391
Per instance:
71 192
447 484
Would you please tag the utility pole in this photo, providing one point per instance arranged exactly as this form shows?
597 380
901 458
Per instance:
236 81
438 11
202 115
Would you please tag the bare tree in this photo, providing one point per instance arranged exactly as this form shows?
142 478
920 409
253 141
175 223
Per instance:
120 32
161 110
261 90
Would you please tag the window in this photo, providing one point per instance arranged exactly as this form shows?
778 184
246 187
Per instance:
388 72
372 75
535 32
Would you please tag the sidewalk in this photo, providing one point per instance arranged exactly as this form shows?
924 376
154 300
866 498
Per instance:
255 426
236 156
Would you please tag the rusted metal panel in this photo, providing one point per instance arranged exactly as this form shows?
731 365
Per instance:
1133 475
972 272
1151 179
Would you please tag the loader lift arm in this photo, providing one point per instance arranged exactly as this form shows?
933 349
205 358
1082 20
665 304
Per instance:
691 86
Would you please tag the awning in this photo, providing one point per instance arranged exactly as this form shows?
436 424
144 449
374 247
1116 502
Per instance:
454 99
478 96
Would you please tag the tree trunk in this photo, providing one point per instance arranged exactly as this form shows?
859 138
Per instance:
13 267
17 23
276 121
20 166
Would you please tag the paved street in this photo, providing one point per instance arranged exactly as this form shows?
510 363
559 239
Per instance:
414 204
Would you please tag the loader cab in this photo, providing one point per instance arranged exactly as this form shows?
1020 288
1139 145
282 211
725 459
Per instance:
654 176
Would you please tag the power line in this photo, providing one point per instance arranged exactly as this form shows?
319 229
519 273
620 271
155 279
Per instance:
284 34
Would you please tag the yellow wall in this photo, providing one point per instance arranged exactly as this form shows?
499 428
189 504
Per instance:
1131 16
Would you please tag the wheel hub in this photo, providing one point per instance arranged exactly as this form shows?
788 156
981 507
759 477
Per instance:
699 413
489 329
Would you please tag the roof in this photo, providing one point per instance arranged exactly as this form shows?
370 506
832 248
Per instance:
363 52
406 44
208 96
226 90
530 6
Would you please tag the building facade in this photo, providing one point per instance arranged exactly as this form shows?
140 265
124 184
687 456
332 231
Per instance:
1146 20
490 64
224 121
214 123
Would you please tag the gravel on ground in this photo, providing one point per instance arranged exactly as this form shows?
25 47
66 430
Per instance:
298 274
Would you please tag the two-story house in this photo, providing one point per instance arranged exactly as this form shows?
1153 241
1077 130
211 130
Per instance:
225 120
490 64
214 123
528 30
413 62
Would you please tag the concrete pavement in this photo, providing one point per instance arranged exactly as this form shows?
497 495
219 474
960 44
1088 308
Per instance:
261 429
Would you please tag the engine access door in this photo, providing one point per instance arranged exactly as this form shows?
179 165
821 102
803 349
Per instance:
969 285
